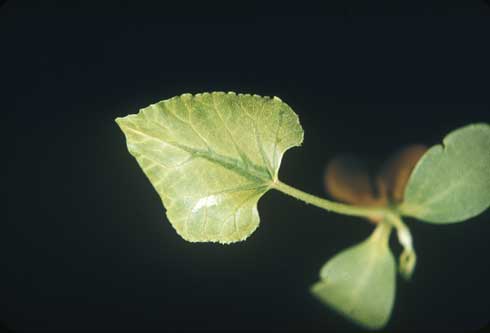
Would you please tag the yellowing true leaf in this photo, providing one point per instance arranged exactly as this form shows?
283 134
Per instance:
211 157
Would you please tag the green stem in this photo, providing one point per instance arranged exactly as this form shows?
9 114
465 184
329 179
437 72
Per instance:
404 235
336 207
382 233
408 258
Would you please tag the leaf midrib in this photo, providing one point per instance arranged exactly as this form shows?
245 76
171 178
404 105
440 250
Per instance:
248 170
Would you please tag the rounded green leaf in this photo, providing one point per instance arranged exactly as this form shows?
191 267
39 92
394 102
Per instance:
451 182
211 157
359 282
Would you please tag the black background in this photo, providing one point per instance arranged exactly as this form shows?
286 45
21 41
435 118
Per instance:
85 242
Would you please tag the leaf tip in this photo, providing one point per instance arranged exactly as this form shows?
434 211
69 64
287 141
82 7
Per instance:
120 122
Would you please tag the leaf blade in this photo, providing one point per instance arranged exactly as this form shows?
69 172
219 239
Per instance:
451 182
211 157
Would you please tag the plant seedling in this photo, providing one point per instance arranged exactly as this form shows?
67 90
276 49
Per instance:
212 156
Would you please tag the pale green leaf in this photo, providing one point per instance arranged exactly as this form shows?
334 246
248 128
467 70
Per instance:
210 157
451 182
359 282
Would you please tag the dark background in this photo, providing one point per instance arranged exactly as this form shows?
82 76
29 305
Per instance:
85 242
